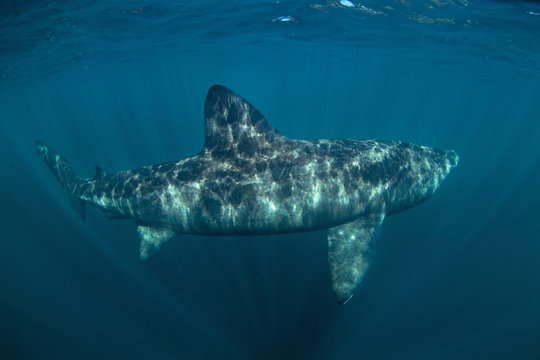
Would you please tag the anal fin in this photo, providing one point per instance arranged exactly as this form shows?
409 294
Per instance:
152 238
350 250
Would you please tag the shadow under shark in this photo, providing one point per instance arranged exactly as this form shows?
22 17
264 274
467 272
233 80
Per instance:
250 180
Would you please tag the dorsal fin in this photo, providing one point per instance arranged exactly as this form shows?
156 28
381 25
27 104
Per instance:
231 123
99 173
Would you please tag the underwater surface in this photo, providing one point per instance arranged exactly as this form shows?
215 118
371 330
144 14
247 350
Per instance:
122 84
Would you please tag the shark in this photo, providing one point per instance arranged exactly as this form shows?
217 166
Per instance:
248 179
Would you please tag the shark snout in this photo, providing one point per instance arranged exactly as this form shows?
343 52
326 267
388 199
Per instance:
443 160
452 157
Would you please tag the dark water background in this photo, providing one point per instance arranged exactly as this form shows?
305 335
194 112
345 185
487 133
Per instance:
122 84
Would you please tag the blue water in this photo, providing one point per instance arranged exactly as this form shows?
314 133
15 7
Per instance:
122 84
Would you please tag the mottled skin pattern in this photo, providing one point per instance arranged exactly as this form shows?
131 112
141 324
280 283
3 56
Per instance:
248 179
300 186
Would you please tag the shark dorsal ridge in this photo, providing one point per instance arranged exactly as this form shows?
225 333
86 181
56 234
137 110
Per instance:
231 123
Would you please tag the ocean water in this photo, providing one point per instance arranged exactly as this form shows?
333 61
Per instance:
122 84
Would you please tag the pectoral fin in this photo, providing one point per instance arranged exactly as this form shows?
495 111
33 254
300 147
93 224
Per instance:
350 250
152 238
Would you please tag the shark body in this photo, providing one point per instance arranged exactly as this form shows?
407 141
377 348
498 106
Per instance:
250 180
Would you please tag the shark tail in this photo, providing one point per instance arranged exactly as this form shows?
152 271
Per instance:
63 171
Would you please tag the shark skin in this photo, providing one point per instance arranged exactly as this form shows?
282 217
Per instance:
250 180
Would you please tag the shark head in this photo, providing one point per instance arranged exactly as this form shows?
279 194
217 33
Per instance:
417 179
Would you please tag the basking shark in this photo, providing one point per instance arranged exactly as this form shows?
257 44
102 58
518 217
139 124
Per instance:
250 180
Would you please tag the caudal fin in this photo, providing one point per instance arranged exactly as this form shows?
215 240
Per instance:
63 171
